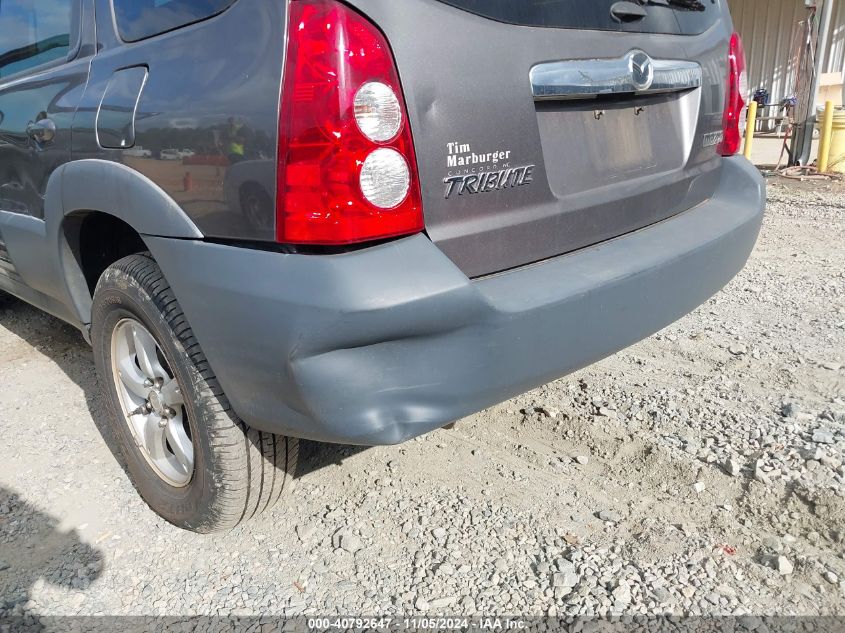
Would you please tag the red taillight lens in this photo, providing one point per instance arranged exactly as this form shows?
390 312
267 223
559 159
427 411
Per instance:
737 89
347 171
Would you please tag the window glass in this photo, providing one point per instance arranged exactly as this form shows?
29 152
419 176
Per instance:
33 32
677 16
137 19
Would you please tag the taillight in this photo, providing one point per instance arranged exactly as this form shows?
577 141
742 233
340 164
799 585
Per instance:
347 171
737 89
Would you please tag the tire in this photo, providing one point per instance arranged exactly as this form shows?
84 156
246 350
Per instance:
228 472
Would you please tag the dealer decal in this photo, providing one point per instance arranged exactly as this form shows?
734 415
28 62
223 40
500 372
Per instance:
713 138
470 172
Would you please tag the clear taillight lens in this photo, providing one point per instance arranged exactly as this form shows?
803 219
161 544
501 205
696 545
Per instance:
737 89
347 171
377 112
385 178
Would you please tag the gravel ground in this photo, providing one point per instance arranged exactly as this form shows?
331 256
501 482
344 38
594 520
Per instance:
700 471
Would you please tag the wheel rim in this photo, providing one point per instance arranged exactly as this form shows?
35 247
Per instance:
152 402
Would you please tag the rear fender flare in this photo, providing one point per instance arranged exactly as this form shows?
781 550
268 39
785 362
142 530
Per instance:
41 249
114 188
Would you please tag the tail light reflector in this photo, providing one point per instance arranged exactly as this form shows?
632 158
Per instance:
347 171
737 89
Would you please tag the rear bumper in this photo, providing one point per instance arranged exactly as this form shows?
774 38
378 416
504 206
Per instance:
387 343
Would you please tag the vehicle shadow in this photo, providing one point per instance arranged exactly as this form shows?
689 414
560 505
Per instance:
64 345
35 552
316 455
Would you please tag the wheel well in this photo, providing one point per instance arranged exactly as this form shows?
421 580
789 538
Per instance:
98 240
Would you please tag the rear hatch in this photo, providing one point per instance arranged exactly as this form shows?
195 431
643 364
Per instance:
531 141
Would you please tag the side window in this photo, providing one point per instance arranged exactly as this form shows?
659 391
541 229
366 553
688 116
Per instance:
139 19
33 32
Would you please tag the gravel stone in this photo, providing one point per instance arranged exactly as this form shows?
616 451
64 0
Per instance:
760 474
565 579
733 467
823 436
622 594
610 516
350 543
305 532
442 603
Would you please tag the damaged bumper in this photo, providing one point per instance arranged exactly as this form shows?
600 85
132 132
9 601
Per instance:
380 345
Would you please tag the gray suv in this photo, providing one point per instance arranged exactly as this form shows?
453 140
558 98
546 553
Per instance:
358 221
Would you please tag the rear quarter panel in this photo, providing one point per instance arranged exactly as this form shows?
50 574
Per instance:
208 83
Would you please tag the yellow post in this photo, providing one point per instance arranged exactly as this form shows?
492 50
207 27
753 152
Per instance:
827 133
750 127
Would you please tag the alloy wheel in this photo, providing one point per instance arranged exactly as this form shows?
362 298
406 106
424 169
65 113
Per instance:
152 402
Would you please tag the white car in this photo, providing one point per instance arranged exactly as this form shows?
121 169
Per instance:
138 152
170 154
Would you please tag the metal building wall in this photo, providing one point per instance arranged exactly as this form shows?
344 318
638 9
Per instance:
836 55
767 28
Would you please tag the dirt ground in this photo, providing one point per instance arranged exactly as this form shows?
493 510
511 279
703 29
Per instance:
699 471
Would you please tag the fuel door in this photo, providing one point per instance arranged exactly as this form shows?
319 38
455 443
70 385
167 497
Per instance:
116 114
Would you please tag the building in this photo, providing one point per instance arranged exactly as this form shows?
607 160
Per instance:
771 32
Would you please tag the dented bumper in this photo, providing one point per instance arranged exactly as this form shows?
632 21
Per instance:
384 344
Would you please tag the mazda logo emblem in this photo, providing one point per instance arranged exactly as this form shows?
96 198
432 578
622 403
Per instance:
641 67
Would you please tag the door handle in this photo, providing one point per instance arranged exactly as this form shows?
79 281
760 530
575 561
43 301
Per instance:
42 131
